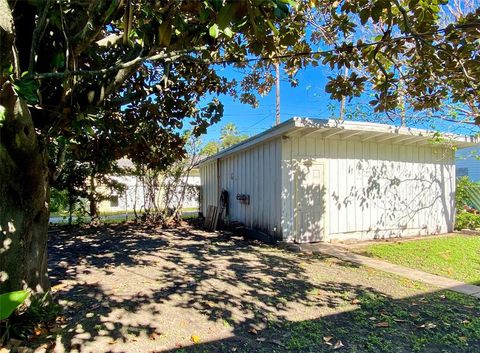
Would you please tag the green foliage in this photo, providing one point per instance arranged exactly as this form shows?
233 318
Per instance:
467 220
133 104
382 324
73 185
213 31
467 194
59 200
27 88
461 193
229 136
106 84
210 148
386 45
11 301
42 311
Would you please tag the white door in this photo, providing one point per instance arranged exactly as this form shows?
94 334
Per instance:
310 202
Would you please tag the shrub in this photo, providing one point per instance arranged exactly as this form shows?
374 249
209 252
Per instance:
40 313
58 200
467 193
467 220
11 301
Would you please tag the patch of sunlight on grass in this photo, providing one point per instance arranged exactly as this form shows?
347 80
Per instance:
456 257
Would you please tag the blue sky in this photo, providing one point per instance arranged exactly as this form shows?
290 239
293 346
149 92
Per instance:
308 99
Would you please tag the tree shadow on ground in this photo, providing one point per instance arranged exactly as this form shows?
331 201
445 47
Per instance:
123 287
439 322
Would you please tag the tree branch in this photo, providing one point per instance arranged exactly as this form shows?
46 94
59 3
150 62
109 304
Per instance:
37 35
157 57
418 37
110 40
93 25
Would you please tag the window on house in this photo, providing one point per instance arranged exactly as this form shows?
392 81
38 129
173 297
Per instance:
462 172
114 201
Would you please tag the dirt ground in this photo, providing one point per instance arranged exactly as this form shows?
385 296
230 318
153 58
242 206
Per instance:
131 289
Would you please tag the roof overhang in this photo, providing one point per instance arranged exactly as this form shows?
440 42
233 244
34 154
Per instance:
351 130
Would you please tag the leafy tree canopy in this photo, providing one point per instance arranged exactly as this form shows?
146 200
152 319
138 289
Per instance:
125 76
134 72
130 73
106 78
229 136
424 53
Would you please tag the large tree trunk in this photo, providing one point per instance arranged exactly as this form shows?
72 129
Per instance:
24 191
24 199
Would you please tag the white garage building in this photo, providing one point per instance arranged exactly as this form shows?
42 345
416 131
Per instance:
309 180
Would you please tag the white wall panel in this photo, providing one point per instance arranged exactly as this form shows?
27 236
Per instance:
255 172
209 188
375 190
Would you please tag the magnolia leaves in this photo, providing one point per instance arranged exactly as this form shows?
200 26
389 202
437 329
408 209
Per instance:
10 301
373 10
27 88
238 14
408 58
229 16
341 86
214 30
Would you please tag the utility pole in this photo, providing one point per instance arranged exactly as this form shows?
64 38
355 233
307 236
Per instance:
401 98
342 103
277 92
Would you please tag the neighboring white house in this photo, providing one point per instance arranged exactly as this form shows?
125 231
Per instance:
309 180
134 196
468 164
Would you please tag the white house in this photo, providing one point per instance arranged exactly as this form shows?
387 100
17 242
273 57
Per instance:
309 180
134 196
468 163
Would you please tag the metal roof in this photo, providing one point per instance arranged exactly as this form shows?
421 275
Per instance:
351 130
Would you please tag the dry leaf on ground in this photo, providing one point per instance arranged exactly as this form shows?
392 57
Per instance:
339 344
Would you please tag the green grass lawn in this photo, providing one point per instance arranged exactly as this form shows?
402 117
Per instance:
456 256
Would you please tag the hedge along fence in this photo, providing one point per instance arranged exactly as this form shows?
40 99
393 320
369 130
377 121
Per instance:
473 196
467 194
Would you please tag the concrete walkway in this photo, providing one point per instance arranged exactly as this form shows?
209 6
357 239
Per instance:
416 275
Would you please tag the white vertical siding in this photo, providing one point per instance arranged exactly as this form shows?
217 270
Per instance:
294 150
256 172
375 189
209 186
